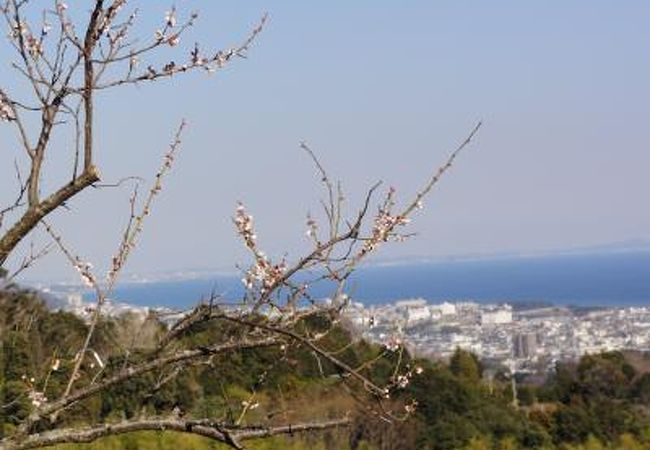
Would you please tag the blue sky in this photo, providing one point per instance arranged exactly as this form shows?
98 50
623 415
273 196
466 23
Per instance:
382 91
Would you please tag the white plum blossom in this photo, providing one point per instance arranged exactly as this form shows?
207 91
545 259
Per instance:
85 272
244 223
6 113
170 18
19 28
34 46
402 381
134 61
37 398
312 228
196 58
384 225
263 272
173 40
393 344
411 407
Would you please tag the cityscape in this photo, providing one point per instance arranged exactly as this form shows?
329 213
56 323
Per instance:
523 338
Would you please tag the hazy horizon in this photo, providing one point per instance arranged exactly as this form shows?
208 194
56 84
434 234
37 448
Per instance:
612 279
632 247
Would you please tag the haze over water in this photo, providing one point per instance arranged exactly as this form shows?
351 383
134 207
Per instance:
601 279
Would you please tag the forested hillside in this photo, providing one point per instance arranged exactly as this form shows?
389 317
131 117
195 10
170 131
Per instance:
599 402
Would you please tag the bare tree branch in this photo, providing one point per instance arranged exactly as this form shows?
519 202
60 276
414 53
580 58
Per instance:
206 428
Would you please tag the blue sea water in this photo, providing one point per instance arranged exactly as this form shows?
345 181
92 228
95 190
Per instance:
607 279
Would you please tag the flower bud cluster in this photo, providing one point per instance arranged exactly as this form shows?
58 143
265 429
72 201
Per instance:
46 28
384 224
170 22
393 344
19 29
411 406
6 113
170 34
312 228
170 18
85 272
403 380
34 46
244 223
37 398
263 272
168 160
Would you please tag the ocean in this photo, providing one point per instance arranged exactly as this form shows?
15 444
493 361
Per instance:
605 279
